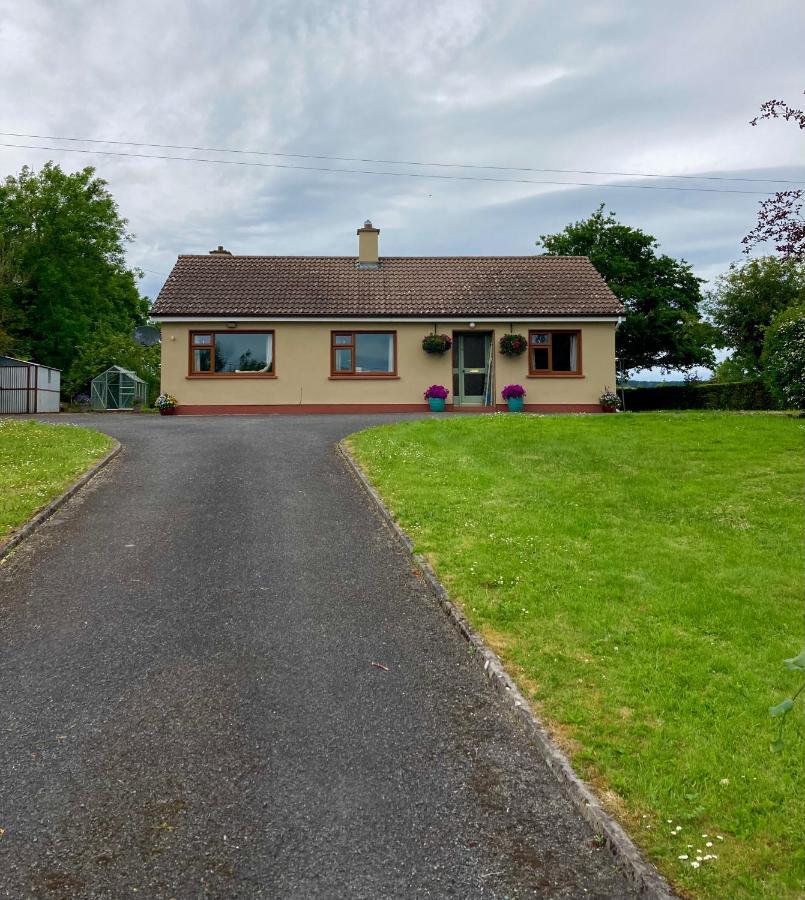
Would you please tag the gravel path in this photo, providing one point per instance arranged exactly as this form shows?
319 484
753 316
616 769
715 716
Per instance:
188 705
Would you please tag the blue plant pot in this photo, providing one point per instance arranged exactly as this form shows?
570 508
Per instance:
436 404
515 404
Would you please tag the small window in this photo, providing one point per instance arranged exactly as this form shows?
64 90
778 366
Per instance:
364 353
232 353
554 352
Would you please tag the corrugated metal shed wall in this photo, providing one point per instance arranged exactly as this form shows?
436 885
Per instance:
27 387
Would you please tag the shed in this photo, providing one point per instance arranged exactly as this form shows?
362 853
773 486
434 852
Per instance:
28 387
118 388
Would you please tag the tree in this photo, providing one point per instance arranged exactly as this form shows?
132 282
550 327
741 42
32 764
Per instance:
103 349
746 299
63 273
784 357
663 326
780 218
729 370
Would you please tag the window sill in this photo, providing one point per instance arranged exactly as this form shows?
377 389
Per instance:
557 375
238 377
364 378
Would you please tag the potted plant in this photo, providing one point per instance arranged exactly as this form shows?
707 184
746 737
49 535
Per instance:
436 394
512 344
82 401
513 395
436 343
166 404
610 401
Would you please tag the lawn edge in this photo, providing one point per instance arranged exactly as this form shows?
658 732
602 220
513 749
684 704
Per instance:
47 511
643 874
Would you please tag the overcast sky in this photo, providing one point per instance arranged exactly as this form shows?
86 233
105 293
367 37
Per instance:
610 86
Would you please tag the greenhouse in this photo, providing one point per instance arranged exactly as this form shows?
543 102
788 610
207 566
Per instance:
118 388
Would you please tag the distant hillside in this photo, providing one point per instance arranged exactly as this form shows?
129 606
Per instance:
635 383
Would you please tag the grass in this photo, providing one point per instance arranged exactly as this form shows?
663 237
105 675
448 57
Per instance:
37 463
642 578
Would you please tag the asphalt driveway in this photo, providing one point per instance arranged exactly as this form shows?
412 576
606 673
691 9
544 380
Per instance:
188 704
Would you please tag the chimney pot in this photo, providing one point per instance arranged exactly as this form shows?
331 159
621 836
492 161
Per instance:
220 252
368 249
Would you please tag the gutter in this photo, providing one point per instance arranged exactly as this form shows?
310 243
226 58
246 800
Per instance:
571 317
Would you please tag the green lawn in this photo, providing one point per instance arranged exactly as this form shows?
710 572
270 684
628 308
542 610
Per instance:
37 463
642 578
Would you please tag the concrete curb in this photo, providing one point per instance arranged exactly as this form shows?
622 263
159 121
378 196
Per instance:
641 873
44 514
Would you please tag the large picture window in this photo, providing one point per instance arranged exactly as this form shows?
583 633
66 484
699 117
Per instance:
232 353
364 353
554 353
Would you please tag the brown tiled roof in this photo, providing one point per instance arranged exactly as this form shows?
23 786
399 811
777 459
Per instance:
416 286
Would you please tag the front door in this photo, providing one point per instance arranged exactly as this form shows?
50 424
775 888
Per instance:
471 368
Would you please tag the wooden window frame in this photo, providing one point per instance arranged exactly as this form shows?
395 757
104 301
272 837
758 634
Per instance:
192 345
549 372
334 373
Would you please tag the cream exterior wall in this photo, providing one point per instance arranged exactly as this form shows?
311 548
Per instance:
302 365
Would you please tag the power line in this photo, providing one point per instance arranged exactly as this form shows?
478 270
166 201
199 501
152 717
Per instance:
394 162
261 165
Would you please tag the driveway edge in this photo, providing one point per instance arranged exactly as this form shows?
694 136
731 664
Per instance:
44 514
641 873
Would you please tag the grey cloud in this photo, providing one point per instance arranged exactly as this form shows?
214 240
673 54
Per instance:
598 85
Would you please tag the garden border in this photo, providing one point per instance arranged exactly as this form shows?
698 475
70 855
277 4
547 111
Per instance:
44 514
640 872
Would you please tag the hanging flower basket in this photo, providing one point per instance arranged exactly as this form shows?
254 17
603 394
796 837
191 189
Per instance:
513 344
437 343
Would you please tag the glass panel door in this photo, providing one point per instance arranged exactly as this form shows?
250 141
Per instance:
472 368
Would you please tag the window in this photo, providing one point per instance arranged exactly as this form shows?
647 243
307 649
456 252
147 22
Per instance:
364 353
232 353
554 352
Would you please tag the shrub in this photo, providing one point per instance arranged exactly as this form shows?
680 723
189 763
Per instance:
784 357
737 395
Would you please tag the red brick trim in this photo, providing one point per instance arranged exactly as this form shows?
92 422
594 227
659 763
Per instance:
336 408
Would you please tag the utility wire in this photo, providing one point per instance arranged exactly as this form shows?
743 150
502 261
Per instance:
262 165
393 162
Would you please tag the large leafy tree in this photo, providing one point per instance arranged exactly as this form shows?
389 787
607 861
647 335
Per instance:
63 273
103 349
747 298
780 219
662 296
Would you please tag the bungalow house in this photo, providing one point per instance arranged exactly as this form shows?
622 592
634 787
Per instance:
254 334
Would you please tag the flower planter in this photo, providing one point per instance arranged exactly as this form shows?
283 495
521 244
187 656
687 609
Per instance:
512 345
515 404
168 412
609 409
437 344
436 404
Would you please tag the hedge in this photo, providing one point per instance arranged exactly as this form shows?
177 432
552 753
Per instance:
729 395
